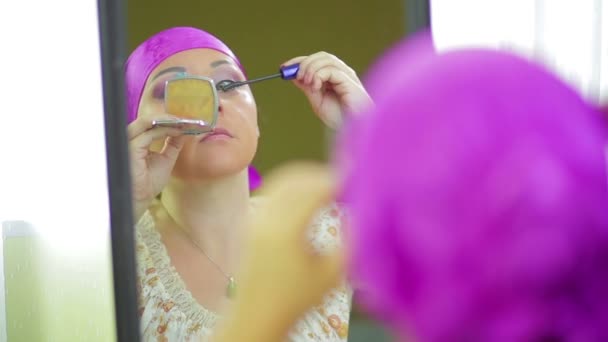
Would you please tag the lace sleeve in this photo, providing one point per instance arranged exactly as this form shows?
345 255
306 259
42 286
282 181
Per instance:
329 321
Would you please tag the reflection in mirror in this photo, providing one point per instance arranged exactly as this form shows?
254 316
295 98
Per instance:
194 194
192 97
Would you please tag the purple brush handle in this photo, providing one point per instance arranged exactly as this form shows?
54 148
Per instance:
289 72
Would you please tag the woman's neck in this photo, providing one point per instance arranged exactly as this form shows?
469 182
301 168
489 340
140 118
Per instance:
212 214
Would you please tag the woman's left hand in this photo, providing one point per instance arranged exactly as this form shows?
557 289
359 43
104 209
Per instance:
332 87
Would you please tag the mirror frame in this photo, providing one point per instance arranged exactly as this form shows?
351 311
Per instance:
113 33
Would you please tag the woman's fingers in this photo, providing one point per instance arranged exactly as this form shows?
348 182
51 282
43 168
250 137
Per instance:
142 141
294 60
313 63
173 145
145 123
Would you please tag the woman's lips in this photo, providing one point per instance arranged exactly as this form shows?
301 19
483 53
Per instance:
218 133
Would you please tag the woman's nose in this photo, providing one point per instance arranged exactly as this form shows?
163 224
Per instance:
224 100
220 106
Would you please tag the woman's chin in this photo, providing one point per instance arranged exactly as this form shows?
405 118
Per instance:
213 163
213 170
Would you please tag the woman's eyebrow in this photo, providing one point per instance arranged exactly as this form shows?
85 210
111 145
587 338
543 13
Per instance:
171 69
218 63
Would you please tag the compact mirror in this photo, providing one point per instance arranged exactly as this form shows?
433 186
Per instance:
194 99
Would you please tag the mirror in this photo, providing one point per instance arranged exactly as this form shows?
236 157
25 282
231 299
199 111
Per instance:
193 98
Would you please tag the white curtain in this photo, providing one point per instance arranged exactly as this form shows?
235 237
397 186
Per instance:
566 35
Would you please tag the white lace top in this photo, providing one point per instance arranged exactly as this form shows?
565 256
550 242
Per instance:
169 312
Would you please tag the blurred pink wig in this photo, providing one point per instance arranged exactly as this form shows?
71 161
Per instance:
477 188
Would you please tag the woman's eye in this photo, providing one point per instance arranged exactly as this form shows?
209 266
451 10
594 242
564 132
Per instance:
226 76
223 85
159 92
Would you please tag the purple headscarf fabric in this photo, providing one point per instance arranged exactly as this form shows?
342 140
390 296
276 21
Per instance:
478 193
161 46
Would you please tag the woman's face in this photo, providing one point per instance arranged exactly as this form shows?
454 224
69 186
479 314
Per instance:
207 157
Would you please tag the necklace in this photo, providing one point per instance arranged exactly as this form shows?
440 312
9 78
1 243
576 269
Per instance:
231 287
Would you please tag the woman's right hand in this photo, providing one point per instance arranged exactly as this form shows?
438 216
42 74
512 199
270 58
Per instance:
150 171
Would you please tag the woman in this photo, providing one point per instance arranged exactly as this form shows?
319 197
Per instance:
190 240
478 197
493 223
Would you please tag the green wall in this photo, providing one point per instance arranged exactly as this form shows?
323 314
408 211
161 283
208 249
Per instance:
266 33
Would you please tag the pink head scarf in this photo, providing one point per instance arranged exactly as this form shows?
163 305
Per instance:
148 55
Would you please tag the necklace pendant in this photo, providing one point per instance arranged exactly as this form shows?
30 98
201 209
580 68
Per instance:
231 288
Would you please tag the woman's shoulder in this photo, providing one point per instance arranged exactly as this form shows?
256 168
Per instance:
325 228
